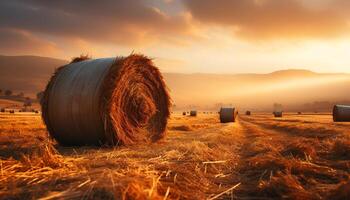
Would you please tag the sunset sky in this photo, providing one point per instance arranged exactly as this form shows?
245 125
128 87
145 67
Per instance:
188 36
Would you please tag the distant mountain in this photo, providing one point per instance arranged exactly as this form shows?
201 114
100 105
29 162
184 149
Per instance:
29 74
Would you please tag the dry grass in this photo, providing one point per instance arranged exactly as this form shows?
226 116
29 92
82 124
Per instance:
200 158
180 166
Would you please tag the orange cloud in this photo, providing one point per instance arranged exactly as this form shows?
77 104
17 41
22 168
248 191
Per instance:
274 19
121 22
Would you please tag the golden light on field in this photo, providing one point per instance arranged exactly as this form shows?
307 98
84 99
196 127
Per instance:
229 99
196 150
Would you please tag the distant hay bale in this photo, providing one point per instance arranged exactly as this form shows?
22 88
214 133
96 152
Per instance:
228 115
2 110
184 113
193 113
107 101
299 113
278 113
341 113
248 112
12 111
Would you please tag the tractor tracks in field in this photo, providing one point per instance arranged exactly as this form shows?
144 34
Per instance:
277 163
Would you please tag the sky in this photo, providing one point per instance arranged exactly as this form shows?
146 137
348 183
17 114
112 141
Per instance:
185 36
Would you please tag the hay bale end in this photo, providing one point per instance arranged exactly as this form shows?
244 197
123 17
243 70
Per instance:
108 101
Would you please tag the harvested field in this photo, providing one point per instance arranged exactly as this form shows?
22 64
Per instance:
258 157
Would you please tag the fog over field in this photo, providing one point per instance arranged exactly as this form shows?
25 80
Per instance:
292 88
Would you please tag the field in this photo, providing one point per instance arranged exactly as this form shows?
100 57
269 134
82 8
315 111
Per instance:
258 157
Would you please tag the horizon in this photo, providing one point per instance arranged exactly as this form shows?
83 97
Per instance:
283 69
175 99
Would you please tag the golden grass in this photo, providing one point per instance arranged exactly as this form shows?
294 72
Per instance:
258 157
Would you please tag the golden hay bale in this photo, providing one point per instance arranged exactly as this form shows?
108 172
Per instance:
278 113
341 113
228 115
183 113
248 112
193 113
106 101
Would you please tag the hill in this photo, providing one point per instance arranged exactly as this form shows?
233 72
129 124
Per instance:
293 88
27 74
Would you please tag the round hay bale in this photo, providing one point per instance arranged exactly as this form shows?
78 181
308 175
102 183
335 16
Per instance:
248 112
278 113
341 113
107 101
2 110
228 115
12 111
184 113
193 113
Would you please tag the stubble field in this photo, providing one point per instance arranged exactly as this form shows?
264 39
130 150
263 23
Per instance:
257 157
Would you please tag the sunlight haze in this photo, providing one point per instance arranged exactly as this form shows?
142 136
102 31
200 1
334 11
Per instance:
186 36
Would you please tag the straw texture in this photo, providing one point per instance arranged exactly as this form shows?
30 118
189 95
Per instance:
106 101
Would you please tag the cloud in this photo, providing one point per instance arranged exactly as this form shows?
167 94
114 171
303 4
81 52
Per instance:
21 42
110 21
274 19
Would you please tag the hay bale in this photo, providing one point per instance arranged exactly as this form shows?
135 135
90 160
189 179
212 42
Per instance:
2 110
278 113
228 115
341 113
12 111
193 113
248 112
183 113
107 101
